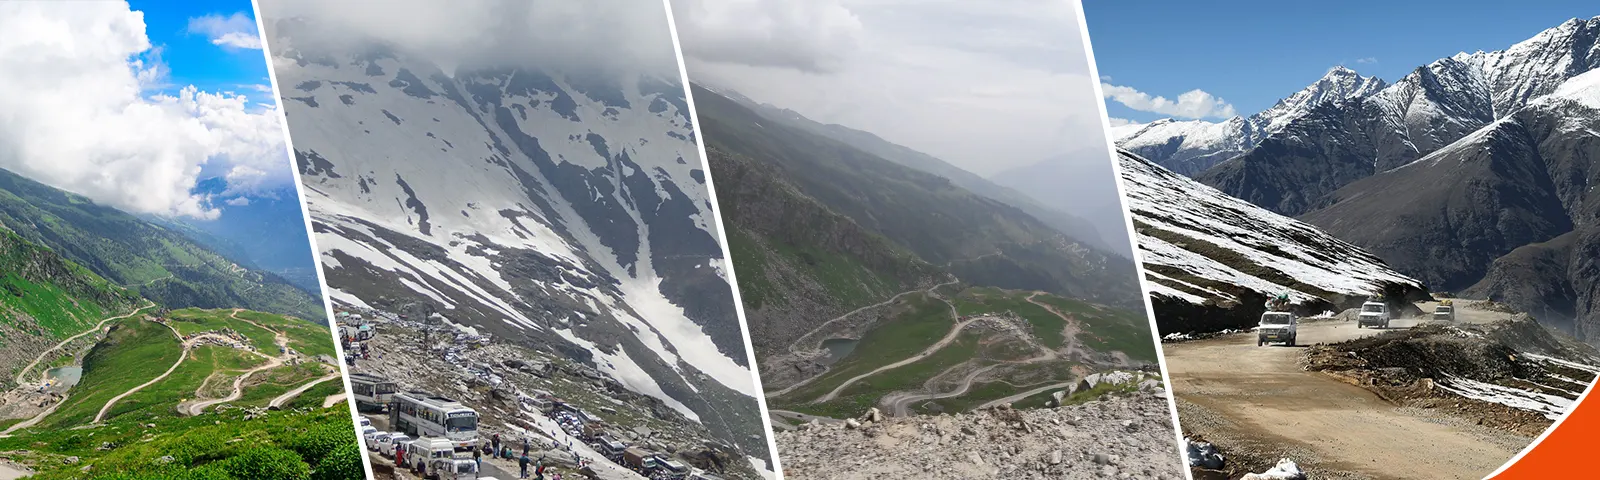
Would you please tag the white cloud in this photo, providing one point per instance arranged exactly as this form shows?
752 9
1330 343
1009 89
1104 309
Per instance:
1367 60
75 79
1120 122
1191 104
558 35
814 36
987 86
233 31
239 201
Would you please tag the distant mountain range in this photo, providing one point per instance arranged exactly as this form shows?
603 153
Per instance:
822 223
164 264
239 229
1023 194
1472 174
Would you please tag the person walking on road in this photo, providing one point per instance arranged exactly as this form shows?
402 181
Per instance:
477 456
523 463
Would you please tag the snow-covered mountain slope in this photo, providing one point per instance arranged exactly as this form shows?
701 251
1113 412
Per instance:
1516 203
1192 146
1433 106
1204 248
564 210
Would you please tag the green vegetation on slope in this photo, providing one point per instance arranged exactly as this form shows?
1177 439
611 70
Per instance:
288 445
62 297
193 320
162 265
1047 327
917 322
1107 329
160 399
305 337
135 352
926 214
863 394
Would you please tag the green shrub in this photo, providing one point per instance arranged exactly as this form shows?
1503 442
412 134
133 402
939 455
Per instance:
267 464
321 440
343 464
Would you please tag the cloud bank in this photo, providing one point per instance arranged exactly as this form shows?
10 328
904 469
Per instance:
77 112
1191 104
233 31
559 35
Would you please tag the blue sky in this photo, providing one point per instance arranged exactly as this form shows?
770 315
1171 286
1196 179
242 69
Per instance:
1248 54
197 48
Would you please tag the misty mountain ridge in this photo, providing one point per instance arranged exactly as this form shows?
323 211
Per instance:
1069 218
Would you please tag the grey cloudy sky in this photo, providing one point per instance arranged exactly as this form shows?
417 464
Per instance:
984 85
559 35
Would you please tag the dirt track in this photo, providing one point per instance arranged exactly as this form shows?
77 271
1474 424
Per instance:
1236 393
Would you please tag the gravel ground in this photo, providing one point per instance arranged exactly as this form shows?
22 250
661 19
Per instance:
1127 436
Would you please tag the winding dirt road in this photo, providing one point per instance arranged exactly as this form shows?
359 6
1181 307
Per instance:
1235 392
796 346
24 372
279 338
290 395
955 331
181 356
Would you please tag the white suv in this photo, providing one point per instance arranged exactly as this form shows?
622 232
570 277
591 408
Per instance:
1277 327
1373 314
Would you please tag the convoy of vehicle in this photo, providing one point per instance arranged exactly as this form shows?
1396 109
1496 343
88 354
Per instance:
371 392
422 414
435 436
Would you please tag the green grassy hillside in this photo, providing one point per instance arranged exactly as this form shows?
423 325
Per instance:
60 297
160 264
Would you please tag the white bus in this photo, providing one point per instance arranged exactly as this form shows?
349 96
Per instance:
371 392
422 414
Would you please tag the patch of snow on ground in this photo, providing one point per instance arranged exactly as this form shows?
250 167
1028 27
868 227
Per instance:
762 468
1550 405
1284 470
1585 367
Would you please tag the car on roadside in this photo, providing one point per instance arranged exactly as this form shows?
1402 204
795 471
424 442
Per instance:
367 434
1277 327
396 441
1373 314
380 440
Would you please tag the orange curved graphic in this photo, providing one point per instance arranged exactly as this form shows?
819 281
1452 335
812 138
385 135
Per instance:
1564 447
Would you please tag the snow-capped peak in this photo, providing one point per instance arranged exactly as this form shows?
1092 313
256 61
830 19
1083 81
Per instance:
1338 84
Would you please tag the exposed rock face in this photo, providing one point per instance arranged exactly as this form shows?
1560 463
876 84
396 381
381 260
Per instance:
1113 437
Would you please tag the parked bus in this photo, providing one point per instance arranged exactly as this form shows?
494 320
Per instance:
422 414
371 392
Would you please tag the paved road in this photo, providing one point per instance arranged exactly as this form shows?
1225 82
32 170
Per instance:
1260 393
